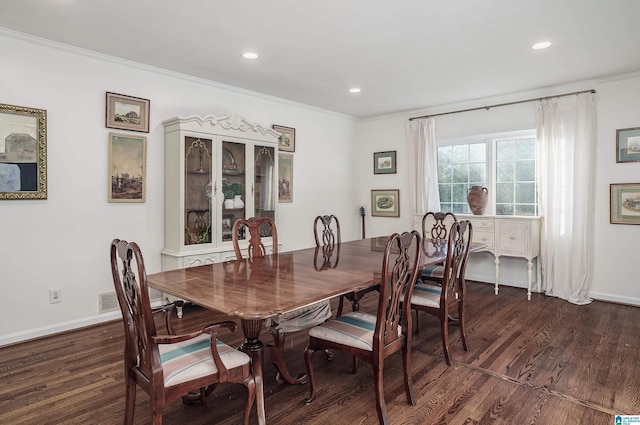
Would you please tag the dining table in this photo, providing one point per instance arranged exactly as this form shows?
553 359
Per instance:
262 287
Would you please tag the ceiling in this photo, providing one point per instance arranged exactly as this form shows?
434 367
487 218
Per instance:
403 54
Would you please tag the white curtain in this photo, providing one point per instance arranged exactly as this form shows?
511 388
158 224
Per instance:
424 167
566 135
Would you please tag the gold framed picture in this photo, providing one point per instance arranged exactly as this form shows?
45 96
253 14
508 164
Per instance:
23 152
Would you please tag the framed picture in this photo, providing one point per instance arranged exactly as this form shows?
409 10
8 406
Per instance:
384 162
287 139
127 168
628 145
625 203
127 112
385 203
23 152
285 177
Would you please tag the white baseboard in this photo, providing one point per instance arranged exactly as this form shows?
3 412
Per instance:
57 328
64 327
615 298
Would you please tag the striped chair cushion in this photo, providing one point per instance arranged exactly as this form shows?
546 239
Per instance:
353 329
302 318
187 360
426 295
433 272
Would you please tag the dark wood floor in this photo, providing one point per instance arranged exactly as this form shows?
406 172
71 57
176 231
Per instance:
540 362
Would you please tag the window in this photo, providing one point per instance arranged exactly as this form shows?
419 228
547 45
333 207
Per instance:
503 163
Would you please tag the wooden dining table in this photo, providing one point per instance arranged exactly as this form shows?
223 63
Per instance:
256 289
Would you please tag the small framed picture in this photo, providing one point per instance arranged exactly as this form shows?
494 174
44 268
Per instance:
285 177
384 162
287 139
625 203
127 112
23 152
628 145
385 203
127 168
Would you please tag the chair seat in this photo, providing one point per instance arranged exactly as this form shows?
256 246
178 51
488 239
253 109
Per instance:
188 360
433 272
301 318
354 329
426 295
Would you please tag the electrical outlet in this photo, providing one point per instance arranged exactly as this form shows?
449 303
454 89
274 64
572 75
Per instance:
55 295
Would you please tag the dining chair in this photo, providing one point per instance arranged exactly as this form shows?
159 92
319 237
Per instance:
435 231
328 227
374 337
438 300
168 366
282 324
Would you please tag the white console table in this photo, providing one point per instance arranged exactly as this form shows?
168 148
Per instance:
508 236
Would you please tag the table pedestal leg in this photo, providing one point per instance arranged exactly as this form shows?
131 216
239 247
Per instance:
253 347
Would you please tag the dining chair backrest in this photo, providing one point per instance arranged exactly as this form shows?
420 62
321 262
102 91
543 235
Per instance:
436 225
330 233
401 258
256 227
458 247
133 297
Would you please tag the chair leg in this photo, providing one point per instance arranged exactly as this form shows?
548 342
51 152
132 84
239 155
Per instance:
408 383
340 306
250 383
463 335
383 417
444 327
417 321
130 401
156 410
308 361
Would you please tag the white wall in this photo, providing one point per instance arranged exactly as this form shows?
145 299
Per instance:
615 250
63 241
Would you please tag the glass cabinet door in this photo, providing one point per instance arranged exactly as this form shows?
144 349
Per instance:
197 191
234 189
264 195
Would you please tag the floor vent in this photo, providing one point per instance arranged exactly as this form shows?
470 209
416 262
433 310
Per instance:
108 302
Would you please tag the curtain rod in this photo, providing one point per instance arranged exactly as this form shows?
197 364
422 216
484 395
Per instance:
504 104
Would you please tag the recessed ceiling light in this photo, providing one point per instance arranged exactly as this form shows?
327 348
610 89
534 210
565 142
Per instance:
541 45
250 55
354 90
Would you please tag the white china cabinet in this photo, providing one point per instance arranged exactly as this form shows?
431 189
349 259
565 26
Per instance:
217 169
